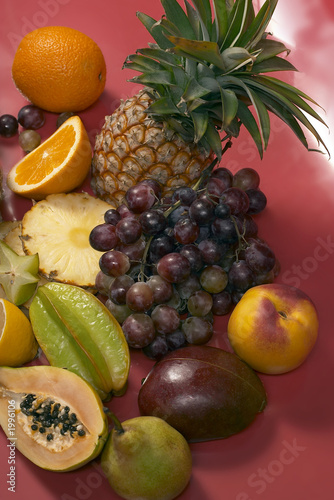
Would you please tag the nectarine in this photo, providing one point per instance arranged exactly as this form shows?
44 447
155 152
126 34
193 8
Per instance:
273 328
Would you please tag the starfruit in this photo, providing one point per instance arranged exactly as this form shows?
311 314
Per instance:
76 331
18 274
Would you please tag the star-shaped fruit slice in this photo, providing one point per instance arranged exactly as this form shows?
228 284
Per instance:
18 274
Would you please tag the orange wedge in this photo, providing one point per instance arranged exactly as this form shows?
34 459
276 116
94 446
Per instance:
58 165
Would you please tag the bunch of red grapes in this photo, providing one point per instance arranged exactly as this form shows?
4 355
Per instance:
170 265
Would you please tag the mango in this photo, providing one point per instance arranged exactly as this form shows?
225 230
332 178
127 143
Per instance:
203 392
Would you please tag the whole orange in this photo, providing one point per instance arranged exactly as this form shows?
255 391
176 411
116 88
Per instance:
59 69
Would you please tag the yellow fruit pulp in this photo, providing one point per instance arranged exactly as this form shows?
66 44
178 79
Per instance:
17 341
58 165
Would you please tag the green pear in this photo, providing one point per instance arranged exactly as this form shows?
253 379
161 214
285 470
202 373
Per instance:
146 459
18 274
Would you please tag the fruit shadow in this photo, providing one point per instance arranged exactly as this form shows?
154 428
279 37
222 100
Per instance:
304 394
239 449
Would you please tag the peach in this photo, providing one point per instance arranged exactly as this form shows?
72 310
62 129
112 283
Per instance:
273 328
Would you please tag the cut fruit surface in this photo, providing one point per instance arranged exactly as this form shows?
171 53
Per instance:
58 229
18 274
58 165
17 341
36 396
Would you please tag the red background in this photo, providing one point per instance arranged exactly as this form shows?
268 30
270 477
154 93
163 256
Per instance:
257 463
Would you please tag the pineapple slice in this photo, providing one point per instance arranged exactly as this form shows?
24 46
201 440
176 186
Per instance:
58 229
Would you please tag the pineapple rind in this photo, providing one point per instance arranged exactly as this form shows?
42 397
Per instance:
58 228
132 147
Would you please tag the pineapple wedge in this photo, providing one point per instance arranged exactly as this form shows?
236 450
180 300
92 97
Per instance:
58 229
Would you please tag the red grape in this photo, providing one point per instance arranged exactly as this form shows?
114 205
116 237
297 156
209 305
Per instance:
174 267
103 237
139 297
138 329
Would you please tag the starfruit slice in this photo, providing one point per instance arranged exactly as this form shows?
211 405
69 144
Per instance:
76 331
18 274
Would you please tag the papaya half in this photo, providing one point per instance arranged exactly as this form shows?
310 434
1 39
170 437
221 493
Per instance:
53 416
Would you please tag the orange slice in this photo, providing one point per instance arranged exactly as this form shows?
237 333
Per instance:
58 165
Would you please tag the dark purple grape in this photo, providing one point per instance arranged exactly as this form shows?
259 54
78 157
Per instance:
124 211
236 199
215 188
8 126
224 230
222 210
224 174
174 267
175 340
199 303
161 245
211 251
138 329
221 303
154 185
63 117
134 251
193 254
186 231
139 297
140 198
103 237
240 276
201 211
103 283
157 349
259 257
246 178
178 213
31 117
128 230
114 263
247 225
152 222
257 201
162 289
188 286
197 330
186 195
204 233
165 318
119 288
112 216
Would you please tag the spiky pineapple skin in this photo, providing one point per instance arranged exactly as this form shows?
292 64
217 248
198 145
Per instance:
132 147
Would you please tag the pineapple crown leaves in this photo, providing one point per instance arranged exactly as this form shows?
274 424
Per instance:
208 73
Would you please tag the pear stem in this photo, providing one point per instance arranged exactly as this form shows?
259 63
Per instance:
117 424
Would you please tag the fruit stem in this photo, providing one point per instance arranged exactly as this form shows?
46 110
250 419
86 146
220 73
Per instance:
117 424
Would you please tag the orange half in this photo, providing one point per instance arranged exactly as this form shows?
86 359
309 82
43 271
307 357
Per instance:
58 165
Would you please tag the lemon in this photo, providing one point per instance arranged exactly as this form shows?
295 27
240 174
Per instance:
17 341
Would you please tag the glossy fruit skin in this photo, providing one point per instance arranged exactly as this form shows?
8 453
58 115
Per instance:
39 75
222 394
147 460
273 328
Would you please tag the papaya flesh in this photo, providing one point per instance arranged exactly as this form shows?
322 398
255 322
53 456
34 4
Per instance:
53 416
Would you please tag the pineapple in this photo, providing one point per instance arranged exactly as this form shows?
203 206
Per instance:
58 229
204 78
